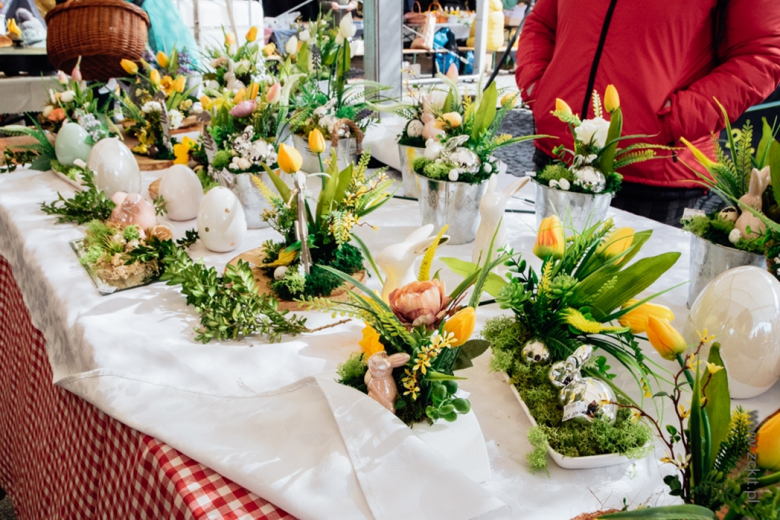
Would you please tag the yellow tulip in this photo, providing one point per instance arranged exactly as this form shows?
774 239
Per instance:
509 99
616 243
370 344
289 159
180 83
269 50
254 89
636 319
316 141
206 102
240 95
700 156
664 338
767 446
154 77
611 99
461 325
230 39
550 241
453 119
129 66
252 34
562 106
162 59
14 32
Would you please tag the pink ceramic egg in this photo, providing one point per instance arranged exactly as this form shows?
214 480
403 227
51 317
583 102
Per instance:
131 208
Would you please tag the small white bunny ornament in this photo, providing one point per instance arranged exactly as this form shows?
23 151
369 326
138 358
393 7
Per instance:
379 378
491 210
397 260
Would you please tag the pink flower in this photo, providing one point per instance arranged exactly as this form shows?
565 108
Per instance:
274 93
420 303
244 108
62 78
76 74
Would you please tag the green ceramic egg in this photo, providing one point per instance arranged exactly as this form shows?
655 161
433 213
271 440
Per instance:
72 143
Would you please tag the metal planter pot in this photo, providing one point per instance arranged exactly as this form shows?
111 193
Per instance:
453 203
347 153
708 260
576 210
250 197
407 155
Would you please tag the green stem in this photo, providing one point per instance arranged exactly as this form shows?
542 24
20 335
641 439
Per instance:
768 480
732 515
322 169
687 372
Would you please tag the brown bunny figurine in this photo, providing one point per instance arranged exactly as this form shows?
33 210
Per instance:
379 378
753 199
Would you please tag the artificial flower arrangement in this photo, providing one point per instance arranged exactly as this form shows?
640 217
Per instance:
234 66
156 105
423 100
313 49
746 177
592 166
563 314
297 268
724 462
461 134
413 343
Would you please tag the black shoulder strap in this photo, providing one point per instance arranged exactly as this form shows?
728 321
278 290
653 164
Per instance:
597 58
719 27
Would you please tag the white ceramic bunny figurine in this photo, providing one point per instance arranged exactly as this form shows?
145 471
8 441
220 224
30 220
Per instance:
491 209
397 260
379 378
753 199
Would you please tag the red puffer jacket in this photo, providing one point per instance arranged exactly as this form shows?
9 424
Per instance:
654 51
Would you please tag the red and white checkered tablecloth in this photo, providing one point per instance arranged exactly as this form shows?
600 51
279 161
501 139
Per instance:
61 458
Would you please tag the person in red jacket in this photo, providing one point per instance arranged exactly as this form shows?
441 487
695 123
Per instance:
668 60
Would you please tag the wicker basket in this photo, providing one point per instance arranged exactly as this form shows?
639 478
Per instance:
102 32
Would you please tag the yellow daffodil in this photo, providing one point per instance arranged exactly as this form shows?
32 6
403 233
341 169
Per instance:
182 150
611 99
251 35
683 412
704 336
370 343
768 443
129 66
562 106
616 243
289 159
316 141
206 102
636 319
461 325
167 85
240 96
154 77
713 369
700 156
179 84
162 59
550 241
664 338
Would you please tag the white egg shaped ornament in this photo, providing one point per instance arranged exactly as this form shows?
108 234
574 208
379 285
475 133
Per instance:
115 167
221 220
182 192
741 308
72 143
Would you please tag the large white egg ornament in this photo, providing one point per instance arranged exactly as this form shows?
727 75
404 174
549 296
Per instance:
221 220
741 307
71 144
115 167
182 192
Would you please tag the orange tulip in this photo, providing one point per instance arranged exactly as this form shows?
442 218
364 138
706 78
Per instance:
768 443
550 241
461 325
252 34
562 106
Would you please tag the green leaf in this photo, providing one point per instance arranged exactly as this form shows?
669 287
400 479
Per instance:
468 351
767 136
432 375
464 268
327 194
615 129
303 57
680 512
718 405
696 429
368 292
41 163
486 112
773 160
281 187
344 180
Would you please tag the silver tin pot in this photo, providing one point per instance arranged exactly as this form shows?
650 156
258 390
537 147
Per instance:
347 153
708 260
576 210
407 155
248 195
453 203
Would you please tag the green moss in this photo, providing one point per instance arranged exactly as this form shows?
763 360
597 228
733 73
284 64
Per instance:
537 457
292 284
353 371
131 233
724 226
556 172
98 232
221 159
92 255
698 225
437 170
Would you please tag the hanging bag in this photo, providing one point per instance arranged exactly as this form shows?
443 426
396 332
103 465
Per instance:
425 39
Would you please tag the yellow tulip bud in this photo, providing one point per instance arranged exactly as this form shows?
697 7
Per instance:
129 66
252 34
316 141
269 50
254 89
616 243
206 102
664 338
700 156
611 99
370 343
509 99
453 119
289 159
162 59
550 241
240 96
636 319
180 83
767 446
230 39
461 325
154 77
562 106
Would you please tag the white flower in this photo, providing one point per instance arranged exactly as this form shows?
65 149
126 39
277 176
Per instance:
232 50
432 149
67 96
487 168
175 117
454 174
554 184
735 236
434 101
564 185
347 29
52 97
415 128
593 132
151 106
79 163
291 47
304 35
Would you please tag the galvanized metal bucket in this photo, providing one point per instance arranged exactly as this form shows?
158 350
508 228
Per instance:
708 260
408 154
576 210
347 153
453 203
249 196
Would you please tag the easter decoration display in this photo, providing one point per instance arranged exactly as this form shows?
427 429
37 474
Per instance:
316 235
115 167
181 193
580 184
562 317
221 220
414 342
745 179
235 66
312 50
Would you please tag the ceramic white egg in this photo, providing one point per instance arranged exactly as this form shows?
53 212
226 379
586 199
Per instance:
115 167
182 192
221 220
741 307
71 144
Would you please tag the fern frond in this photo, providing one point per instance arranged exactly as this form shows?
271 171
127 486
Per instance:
634 157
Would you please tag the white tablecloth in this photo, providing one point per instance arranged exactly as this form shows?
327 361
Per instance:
253 412
24 93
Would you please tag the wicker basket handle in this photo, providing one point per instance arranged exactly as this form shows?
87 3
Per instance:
334 135
418 6
435 4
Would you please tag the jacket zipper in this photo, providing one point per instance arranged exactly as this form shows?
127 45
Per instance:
597 58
